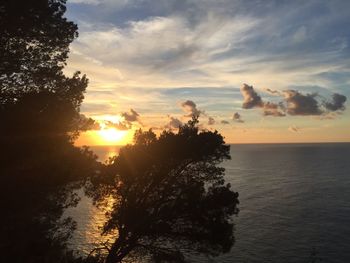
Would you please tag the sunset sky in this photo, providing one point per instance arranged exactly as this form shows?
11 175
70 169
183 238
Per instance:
257 71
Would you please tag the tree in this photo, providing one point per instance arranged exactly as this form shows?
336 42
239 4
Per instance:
39 113
35 96
169 196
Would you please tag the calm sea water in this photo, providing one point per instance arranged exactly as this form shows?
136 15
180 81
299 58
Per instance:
293 198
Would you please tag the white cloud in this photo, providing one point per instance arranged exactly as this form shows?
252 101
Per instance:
128 45
162 49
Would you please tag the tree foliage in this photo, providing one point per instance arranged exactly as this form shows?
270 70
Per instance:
35 40
169 193
35 96
39 113
169 196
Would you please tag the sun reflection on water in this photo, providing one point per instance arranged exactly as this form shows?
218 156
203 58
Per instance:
90 221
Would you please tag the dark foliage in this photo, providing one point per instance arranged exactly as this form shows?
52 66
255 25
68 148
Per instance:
39 113
170 198
35 96
34 45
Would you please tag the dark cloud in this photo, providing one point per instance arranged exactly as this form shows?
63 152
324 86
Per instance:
131 116
273 92
174 123
295 103
190 108
273 109
307 104
300 104
251 98
224 122
337 103
211 121
237 117
122 126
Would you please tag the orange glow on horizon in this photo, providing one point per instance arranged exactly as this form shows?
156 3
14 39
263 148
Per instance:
109 136
113 136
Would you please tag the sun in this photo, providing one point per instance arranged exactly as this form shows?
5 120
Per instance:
111 136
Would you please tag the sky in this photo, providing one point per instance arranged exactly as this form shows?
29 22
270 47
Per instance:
256 71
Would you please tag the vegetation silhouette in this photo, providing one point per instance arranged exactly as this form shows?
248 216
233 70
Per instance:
169 194
39 111
170 197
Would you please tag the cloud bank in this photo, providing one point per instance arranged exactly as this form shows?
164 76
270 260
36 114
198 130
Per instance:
251 100
294 103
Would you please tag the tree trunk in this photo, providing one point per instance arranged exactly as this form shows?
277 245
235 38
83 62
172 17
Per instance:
119 250
112 258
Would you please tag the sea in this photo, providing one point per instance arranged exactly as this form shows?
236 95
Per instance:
294 204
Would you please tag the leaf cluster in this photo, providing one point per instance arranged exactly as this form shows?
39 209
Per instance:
39 113
170 195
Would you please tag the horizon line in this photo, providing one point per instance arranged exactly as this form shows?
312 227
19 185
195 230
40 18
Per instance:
241 143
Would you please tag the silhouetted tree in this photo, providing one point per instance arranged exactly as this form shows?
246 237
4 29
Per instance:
35 96
169 196
39 114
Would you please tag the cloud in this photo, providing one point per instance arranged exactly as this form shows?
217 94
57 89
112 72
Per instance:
130 116
293 128
122 126
307 104
175 43
300 104
174 123
294 103
237 117
273 109
337 103
328 115
92 107
209 44
224 122
211 121
190 108
251 98
273 92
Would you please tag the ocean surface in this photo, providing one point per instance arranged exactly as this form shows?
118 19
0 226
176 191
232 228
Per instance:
294 200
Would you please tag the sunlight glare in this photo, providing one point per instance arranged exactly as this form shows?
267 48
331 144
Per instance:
111 136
